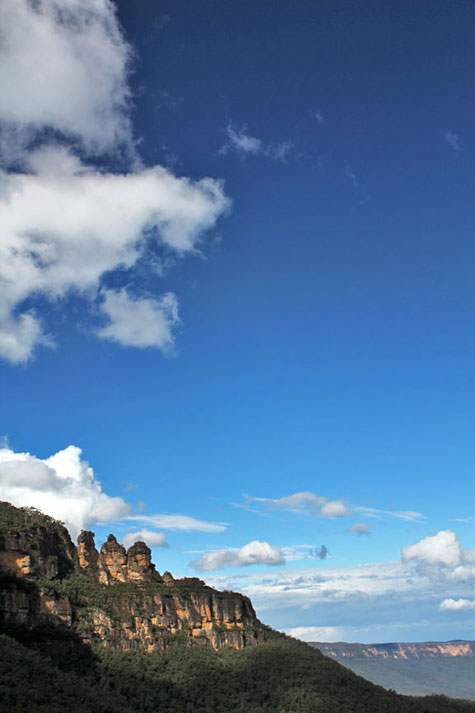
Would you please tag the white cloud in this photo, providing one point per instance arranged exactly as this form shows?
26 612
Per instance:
440 549
317 633
408 515
179 522
456 604
243 144
63 65
334 508
453 140
363 599
66 225
316 586
19 336
297 502
253 553
150 537
305 501
140 322
63 486
361 528
441 556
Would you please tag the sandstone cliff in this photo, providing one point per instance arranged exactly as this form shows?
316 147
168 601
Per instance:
113 596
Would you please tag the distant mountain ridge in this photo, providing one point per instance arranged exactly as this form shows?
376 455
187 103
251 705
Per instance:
396 650
416 668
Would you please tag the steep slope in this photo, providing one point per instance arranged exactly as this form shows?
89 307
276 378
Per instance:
411 668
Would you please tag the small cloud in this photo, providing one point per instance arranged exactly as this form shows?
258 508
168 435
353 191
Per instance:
334 508
253 553
241 142
453 140
305 501
456 604
361 528
150 537
140 322
440 549
322 553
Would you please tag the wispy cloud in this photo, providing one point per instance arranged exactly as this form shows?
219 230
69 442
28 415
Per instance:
178 522
408 515
240 142
453 140
304 502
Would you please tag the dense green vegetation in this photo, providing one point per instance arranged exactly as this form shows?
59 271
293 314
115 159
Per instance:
19 519
282 676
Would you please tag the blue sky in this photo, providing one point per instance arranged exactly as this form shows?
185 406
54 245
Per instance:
237 248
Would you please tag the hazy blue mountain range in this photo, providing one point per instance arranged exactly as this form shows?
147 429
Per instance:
412 668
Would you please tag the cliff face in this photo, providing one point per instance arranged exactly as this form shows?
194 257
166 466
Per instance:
398 651
113 596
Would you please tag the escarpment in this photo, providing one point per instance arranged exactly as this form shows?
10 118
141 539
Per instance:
114 596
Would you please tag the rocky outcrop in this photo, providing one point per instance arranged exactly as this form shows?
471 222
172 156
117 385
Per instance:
87 553
37 551
112 562
113 596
